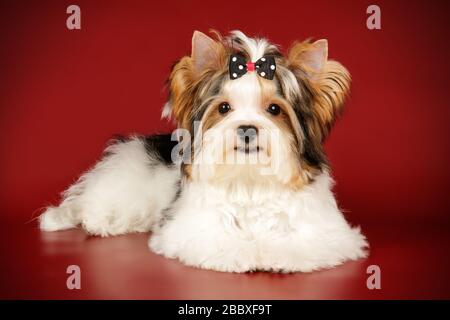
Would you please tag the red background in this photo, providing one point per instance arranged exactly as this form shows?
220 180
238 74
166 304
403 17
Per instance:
64 93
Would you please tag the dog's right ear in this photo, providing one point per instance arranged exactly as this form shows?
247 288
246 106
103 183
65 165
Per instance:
207 55
328 82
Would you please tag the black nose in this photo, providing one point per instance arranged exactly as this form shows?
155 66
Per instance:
247 133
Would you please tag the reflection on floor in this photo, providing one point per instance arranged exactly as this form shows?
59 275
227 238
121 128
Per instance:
414 262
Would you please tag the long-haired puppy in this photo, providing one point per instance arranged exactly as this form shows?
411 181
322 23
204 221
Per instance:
243 184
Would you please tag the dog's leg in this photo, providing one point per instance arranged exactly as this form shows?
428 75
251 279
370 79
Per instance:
200 239
312 248
204 233
125 192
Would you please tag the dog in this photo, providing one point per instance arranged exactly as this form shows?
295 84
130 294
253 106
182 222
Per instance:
244 183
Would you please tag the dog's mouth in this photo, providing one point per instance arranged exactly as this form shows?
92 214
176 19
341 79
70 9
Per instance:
248 149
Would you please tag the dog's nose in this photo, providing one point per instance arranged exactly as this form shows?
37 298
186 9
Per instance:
247 133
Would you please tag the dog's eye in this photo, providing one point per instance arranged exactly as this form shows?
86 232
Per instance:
274 109
224 107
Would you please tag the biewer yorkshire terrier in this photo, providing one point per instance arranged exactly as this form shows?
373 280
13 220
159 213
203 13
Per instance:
243 184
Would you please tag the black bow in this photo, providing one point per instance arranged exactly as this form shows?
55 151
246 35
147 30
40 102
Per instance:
265 67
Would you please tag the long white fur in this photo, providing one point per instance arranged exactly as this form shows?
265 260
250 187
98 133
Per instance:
125 192
248 223
259 228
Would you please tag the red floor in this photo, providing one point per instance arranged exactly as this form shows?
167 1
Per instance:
414 262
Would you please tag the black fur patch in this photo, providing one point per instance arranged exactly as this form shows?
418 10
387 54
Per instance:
160 145
167 213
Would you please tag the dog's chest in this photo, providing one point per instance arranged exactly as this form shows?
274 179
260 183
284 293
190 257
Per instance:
256 218
253 214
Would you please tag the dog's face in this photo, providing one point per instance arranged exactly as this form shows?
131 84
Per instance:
253 128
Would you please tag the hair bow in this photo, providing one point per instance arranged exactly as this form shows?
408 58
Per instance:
238 66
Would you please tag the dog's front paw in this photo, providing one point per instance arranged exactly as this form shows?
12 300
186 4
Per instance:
226 264
226 256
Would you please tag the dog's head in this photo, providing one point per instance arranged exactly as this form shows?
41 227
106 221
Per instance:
253 113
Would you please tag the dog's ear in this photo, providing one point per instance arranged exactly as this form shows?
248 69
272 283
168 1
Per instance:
312 57
207 55
327 83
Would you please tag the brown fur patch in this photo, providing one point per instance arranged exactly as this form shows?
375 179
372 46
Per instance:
185 82
212 116
328 87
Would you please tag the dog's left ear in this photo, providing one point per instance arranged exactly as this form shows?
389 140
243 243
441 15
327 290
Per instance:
206 53
207 56
327 83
